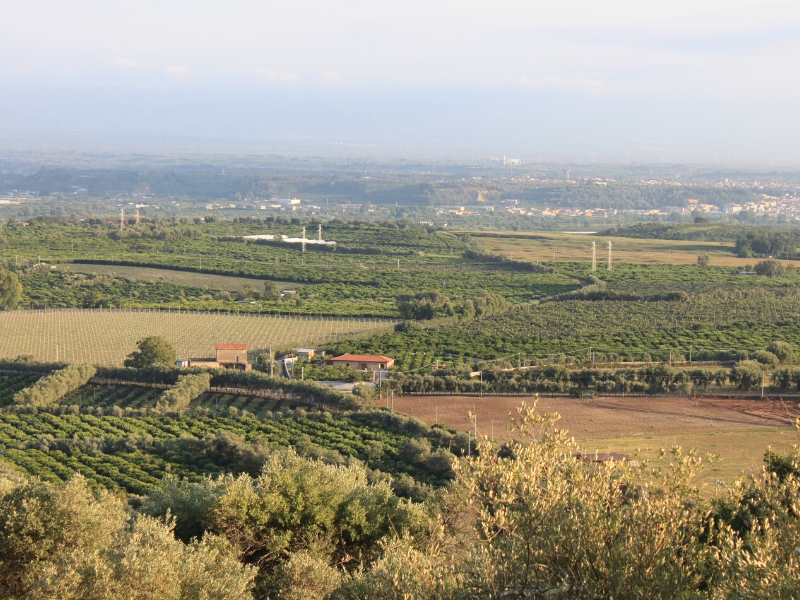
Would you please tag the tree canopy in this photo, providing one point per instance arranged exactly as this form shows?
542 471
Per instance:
10 289
153 350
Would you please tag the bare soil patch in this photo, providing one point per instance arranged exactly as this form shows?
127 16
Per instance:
606 417
738 431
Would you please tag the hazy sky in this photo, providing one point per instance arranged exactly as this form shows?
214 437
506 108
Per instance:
681 78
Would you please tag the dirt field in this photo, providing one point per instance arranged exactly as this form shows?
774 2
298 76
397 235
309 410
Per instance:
737 430
607 417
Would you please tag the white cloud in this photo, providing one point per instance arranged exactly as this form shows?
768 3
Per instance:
277 75
125 63
177 71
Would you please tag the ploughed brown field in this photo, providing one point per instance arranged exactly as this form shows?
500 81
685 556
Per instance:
739 431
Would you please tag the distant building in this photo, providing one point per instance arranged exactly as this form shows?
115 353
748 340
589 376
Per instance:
288 201
362 362
228 356
307 353
732 209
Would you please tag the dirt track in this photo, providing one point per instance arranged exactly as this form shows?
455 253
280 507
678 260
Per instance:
608 417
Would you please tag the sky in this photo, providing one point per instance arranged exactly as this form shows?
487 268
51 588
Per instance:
590 80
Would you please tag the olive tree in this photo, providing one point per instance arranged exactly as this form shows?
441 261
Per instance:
153 350
10 290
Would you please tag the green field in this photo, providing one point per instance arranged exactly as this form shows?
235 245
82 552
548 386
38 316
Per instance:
183 278
108 336
114 437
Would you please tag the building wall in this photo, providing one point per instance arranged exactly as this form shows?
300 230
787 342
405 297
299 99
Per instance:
362 366
229 356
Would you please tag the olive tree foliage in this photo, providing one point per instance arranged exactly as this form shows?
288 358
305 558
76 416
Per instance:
784 351
187 389
153 350
10 290
747 375
64 541
304 523
53 387
271 291
770 268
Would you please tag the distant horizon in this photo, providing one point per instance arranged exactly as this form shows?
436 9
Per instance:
578 81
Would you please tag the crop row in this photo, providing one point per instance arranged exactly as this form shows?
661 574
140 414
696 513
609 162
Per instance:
134 453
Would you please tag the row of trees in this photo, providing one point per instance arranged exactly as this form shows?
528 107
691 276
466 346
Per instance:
430 305
653 379
51 388
187 389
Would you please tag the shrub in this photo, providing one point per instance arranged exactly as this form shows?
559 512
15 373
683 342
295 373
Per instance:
770 268
53 387
768 359
784 351
63 541
747 375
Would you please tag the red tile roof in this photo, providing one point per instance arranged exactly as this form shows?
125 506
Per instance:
231 346
362 358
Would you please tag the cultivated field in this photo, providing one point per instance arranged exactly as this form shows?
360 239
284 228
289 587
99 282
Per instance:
565 247
199 280
108 336
738 430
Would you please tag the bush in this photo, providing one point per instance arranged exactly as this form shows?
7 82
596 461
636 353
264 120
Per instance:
770 268
747 375
784 351
53 387
768 359
63 541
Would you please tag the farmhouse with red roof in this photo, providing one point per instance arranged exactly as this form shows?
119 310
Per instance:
362 362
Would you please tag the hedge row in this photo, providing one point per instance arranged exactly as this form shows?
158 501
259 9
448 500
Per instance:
187 389
244 380
53 387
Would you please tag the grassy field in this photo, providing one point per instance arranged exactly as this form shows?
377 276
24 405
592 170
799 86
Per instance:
566 247
739 451
108 336
200 280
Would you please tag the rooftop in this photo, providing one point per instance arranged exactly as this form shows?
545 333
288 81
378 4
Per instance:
231 346
363 358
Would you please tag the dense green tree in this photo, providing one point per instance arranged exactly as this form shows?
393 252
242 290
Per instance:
10 290
784 351
770 268
153 350
94 299
271 291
